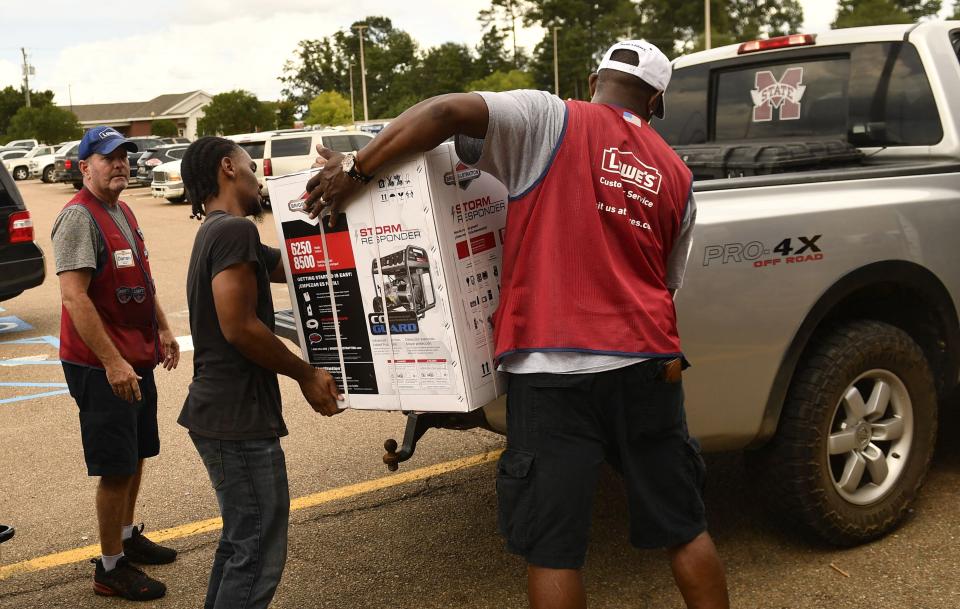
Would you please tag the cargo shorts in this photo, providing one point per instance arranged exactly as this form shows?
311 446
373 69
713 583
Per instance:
562 427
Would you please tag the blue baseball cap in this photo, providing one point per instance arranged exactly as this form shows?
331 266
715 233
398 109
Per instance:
103 140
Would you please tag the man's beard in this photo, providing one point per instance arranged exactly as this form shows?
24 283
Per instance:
256 211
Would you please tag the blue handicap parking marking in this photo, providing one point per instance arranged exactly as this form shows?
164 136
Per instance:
60 388
53 341
13 324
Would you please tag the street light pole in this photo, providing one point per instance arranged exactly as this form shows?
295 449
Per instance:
556 65
363 72
26 76
708 27
353 117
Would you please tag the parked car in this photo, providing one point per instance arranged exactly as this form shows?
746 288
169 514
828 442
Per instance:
289 152
67 166
21 260
143 144
167 183
19 168
43 165
281 152
27 144
13 161
820 302
157 156
175 140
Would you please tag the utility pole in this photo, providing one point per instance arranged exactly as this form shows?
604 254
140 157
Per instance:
556 64
353 117
363 71
708 27
27 72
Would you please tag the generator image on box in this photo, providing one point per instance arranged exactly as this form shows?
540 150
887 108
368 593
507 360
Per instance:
403 284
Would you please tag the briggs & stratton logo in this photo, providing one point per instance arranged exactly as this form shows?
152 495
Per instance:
464 176
784 95
299 203
632 170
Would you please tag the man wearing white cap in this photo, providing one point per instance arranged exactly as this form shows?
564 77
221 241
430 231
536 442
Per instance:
598 231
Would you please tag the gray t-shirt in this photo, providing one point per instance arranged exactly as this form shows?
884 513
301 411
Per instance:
522 134
77 243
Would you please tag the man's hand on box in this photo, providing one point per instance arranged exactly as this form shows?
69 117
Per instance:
331 187
321 393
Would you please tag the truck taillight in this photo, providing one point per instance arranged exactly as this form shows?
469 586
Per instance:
20 227
780 42
67 164
267 168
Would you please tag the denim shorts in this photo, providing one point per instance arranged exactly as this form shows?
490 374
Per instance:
562 427
116 434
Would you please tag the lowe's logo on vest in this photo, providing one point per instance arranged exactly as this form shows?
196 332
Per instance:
631 169
784 95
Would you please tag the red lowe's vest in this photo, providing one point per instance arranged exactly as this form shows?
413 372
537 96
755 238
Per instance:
585 257
122 290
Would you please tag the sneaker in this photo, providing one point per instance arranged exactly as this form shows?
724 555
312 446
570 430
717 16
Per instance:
142 551
126 581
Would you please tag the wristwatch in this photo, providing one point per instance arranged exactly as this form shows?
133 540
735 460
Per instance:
352 168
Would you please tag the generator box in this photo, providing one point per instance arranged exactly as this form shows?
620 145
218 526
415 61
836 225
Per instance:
397 298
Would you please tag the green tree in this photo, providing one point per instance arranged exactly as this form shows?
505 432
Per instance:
956 11
446 69
391 60
503 81
11 100
492 55
506 13
286 112
164 127
48 123
329 108
236 111
856 13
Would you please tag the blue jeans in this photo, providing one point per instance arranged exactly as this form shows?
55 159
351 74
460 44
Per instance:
250 478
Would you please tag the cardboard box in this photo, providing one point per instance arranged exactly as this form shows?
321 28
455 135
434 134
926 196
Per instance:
399 296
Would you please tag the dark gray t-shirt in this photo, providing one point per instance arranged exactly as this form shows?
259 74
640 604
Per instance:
230 398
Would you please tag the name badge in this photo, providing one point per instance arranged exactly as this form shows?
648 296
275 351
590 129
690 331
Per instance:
123 258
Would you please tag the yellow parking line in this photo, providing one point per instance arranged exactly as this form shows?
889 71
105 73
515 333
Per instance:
59 559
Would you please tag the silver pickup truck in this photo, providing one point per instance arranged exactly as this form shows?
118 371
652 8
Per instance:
819 308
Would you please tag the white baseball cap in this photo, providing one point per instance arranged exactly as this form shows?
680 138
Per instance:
652 66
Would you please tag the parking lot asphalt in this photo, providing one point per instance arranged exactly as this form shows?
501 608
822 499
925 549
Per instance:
363 537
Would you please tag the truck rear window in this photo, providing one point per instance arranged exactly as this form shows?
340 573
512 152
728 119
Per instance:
873 94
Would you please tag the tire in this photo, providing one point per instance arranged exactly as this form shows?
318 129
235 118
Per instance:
77 185
176 200
47 176
879 459
21 173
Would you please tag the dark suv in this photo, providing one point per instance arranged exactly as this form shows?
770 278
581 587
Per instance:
156 156
21 260
143 144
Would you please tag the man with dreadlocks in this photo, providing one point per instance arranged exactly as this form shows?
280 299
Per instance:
233 409
597 378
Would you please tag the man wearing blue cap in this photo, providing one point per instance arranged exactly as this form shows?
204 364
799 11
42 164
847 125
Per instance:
112 335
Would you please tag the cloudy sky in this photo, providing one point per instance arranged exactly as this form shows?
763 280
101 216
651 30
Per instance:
110 51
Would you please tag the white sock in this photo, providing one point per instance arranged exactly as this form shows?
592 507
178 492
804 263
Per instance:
127 532
110 562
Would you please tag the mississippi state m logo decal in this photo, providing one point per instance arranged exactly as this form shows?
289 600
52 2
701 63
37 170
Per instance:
783 95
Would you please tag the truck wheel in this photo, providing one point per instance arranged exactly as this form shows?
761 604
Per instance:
77 185
856 435
47 176
176 200
21 173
